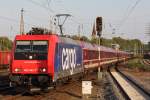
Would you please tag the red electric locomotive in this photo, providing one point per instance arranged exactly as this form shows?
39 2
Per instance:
41 60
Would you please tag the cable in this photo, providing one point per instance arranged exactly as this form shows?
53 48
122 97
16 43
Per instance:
38 4
130 11
8 19
14 20
35 18
48 3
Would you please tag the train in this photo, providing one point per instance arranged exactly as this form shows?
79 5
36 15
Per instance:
146 55
42 60
5 58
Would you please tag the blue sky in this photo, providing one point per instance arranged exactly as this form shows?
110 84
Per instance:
83 13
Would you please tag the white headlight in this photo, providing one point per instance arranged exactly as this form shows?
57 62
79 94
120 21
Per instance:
16 70
44 69
30 57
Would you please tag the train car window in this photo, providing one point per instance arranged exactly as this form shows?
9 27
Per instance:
97 55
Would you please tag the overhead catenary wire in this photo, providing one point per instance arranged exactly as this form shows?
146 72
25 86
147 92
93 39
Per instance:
48 8
128 14
17 21
42 6
8 19
33 17
48 3
13 20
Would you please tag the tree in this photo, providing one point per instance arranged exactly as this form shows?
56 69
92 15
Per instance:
84 38
148 45
125 44
94 40
5 44
75 37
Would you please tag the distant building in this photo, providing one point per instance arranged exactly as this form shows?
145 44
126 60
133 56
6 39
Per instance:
115 46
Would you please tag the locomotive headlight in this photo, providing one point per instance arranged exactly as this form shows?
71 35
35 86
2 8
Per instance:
44 69
17 70
30 57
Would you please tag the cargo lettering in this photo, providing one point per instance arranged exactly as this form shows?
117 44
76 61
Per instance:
68 59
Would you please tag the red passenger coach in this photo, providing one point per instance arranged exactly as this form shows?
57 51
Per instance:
5 58
92 58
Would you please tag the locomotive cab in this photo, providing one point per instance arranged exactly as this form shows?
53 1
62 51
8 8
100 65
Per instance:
30 57
32 60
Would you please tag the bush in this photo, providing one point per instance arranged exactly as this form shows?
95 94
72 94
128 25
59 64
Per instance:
136 64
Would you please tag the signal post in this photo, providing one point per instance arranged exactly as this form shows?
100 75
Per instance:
99 33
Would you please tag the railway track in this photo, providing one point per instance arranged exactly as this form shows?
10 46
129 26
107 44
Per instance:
66 91
70 90
146 61
129 89
13 93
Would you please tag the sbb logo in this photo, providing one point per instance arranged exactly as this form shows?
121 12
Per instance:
68 59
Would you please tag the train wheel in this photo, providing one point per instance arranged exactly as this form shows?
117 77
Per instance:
54 85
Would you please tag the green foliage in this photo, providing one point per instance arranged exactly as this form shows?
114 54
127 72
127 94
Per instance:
5 44
103 41
106 42
125 44
82 38
147 47
75 37
137 64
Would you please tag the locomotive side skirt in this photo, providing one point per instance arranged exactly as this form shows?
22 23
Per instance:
68 60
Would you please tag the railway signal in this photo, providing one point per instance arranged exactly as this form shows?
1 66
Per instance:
99 25
99 33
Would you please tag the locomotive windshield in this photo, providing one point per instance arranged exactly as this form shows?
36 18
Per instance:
34 50
23 46
39 46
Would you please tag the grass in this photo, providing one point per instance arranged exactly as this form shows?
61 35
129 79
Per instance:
136 64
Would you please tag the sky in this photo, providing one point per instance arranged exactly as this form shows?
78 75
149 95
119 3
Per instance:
128 19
